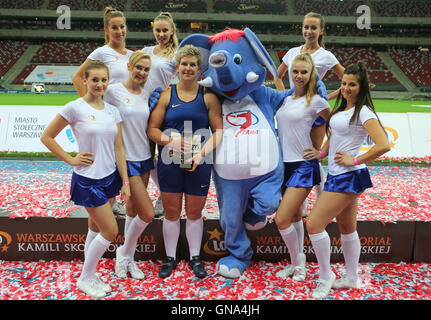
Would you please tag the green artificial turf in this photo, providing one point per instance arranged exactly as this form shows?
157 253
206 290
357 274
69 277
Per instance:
396 106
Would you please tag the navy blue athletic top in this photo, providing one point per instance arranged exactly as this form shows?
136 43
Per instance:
178 112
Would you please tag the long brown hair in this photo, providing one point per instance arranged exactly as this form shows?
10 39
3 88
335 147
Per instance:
311 89
109 14
359 70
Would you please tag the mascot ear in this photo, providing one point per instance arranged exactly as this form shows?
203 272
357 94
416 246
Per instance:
202 42
262 55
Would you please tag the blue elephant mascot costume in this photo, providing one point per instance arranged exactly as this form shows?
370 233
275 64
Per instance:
248 169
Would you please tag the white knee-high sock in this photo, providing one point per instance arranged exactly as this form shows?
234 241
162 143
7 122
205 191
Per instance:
171 233
194 232
351 246
322 248
320 186
90 237
299 227
137 226
127 224
291 240
95 252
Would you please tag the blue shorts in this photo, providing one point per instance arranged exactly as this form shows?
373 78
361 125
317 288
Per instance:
352 181
304 174
89 192
174 179
138 168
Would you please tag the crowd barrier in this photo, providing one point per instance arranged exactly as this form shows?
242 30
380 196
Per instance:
22 126
37 238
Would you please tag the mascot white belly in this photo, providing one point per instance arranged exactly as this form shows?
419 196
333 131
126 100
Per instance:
249 147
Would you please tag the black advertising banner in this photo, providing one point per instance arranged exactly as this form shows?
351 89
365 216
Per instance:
422 251
379 242
63 239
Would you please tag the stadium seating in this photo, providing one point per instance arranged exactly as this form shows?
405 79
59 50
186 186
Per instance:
21 4
414 63
171 6
251 6
327 7
90 5
73 53
378 71
24 73
10 52
402 8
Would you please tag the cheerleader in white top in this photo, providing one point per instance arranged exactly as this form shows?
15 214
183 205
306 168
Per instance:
313 29
115 56
114 53
99 167
351 121
163 65
132 101
163 69
295 119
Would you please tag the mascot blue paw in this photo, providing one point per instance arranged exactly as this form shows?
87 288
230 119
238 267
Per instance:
231 267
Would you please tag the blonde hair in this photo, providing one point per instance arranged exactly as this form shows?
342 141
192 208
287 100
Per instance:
172 45
95 64
312 83
321 41
189 50
136 57
108 15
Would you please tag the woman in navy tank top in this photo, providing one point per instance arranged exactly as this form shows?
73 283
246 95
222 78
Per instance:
179 124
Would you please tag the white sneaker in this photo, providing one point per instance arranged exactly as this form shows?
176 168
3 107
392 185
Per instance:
135 272
345 282
158 207
91 287
286 272
121 263
118 208
323 287
105 287
299 271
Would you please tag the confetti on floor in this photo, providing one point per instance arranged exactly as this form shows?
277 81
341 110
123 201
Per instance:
41 188
56 280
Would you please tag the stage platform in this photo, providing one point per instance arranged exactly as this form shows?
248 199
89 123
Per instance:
37 221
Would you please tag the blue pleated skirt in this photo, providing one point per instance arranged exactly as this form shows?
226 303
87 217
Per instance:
89 192
301 173
352 181
138 168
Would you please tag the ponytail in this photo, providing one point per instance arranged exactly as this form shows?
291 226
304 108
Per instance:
172 45
110 13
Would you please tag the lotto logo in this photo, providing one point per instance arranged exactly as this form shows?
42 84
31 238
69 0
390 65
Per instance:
5 241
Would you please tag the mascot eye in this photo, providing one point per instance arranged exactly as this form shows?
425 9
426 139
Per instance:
237 58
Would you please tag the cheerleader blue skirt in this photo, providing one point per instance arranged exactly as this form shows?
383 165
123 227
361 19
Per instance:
352 181
301 174
138 168
89 192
